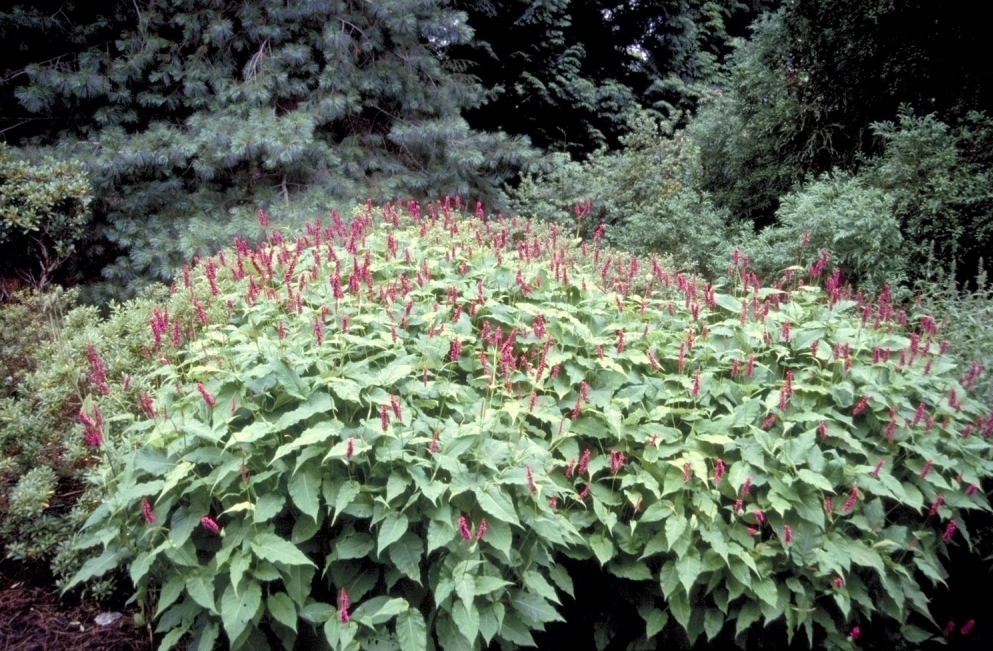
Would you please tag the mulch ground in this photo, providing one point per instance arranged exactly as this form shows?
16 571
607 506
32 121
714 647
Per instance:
33 617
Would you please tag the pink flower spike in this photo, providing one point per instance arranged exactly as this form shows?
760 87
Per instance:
860 407
746 487
853 497
927 468
617 459
972 489
967 627
855 633
146 511
343 604
464 530
839 582
938 501
349 448
949 531
875 471
532 488
207 397
787 534
584 461
949 628
718 470
481 529
210 524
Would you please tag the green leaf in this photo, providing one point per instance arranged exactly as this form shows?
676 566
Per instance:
466 618
406 556
816 480
271 547
380 610
208 636
237 611
534 609
310 436
464 584
238 564
631 570
108 560
515 631
602 547
915 635
411 631
305 490
282 609
675 525
495 503
748 615
200 587
560 576
688 568
268 507
490 619
393 526
866 556
499 536
679 606
348 492
537 584
353 545
288 379
171 590
713 622
486 584
655 620
765 590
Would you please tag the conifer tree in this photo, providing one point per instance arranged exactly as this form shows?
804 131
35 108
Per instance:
570 73
185 109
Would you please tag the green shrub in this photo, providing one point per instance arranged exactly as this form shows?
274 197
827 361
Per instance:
940 179
44 210
51 351
755 140
318 462
844 214
644 195
965 316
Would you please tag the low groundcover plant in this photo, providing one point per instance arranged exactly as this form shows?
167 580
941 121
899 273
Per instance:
388 434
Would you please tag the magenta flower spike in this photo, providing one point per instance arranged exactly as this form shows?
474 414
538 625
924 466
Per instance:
343 604
210 524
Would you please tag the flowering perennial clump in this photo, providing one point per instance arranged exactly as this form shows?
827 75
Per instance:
736 454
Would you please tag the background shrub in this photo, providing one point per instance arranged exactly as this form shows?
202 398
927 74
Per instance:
44 211
644 195
841 213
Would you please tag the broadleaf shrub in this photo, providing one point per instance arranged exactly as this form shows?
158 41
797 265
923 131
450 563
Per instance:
396 430
645 194
845 215
44 212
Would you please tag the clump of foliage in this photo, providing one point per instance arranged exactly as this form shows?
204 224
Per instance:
396 430
939 177
54 354
44 211
965 312
846 215
644 193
